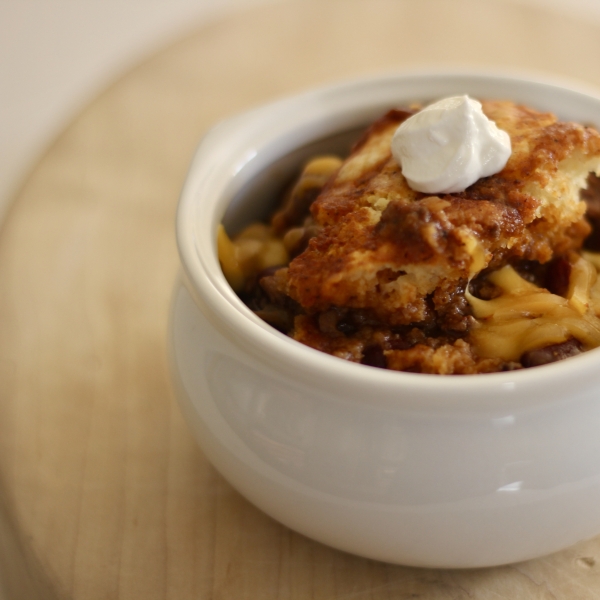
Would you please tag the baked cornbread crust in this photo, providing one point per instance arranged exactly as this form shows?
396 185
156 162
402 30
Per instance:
405 257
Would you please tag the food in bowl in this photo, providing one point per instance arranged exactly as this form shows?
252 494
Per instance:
495 276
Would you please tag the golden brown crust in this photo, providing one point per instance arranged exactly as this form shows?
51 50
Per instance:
443 357
448 359
384 247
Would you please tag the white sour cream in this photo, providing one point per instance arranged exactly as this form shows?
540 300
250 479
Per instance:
449 145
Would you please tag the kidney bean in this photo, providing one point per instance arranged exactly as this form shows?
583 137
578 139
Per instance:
400 344
374 357
557 276
550 354
591 196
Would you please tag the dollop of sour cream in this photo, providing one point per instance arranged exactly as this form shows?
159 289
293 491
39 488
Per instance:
449 145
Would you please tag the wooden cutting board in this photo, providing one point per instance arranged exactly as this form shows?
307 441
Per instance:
103 492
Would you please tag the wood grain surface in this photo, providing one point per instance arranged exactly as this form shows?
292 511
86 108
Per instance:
103 493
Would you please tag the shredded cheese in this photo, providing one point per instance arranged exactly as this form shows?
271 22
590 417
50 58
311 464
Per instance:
256 248
526 317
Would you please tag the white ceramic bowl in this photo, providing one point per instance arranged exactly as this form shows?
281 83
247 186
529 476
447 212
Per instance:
461 471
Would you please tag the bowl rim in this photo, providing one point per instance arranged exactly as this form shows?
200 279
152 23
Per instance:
236 149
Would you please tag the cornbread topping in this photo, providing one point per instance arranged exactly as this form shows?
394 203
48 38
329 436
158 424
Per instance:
449 145
498 275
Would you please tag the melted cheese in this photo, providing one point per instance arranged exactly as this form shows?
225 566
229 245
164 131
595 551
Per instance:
256 248
526 317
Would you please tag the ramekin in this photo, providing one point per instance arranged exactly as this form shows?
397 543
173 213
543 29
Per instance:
424 470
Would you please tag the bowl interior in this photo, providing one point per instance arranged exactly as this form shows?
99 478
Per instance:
258 197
